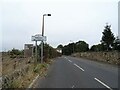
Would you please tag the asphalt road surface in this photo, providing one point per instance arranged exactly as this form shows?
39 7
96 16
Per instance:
71 72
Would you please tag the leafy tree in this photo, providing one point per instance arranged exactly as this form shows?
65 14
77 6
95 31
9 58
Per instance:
116 44
99 47
60 46
67 49
81 46
93 48
108 37
49 52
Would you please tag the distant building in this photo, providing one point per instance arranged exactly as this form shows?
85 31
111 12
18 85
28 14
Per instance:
59 50
28 50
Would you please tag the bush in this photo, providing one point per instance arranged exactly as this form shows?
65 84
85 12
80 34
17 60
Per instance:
38 67
15 84
16 53
12 56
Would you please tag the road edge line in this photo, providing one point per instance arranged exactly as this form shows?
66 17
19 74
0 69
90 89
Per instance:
33 81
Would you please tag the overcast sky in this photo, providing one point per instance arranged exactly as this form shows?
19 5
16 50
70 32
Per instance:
71 20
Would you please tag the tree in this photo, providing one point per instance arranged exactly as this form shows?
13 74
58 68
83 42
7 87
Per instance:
60 46
99 47
108 37
67 49
49 52
93 48
81 46
116 44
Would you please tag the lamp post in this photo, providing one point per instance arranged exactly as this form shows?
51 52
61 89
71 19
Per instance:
42 43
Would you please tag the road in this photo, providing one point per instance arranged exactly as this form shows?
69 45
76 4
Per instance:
71 72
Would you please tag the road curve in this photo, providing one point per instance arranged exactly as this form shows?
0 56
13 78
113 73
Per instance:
71 72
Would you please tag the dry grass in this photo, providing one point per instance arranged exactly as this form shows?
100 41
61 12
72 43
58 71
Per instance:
27 79
23 81
9 65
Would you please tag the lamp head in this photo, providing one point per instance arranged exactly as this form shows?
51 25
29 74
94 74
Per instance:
47 15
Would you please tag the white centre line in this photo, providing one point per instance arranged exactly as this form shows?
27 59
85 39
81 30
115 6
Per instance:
69 60
103 84
65 57
79 67
73 86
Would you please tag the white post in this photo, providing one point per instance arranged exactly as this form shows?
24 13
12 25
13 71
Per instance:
41 51
36 51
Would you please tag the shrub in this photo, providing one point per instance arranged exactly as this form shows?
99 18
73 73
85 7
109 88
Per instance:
39 67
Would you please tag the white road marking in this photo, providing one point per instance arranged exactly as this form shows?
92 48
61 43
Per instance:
103 83
30 86
79 67
69 60
73 86
65 57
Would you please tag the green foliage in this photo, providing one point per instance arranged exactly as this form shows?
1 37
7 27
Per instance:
99 47
108 37
67 50
49 52
9 83
102 47
38 67
116 44
15 84
80 46
108 42
16 53
60 46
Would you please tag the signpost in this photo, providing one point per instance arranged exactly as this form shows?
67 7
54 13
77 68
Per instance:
38 37
41 38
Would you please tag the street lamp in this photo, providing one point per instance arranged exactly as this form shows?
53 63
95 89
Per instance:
43 35
43 23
